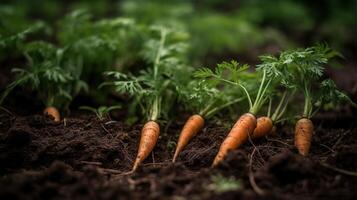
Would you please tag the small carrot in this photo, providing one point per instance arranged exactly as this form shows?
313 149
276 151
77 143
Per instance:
192 126
53 113
237 136
149 136
264 127
303 135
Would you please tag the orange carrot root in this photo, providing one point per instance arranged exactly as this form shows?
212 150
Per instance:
237 136
264 127
149 136
192 126
304 130
53 113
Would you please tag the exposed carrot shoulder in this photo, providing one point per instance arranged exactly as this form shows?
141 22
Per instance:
53 113
264 127
149 136
303 135
192 126
237 136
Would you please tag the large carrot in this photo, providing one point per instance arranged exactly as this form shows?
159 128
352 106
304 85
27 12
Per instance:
149 136
303 134
53 113
192 126
247 122
264 127
237 136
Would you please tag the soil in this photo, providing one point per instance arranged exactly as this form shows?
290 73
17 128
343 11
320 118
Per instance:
84 158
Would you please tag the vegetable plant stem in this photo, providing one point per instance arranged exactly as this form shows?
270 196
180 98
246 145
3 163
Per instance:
277 111
216 109
155 110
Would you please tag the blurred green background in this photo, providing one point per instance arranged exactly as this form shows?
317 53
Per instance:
103 32
219 29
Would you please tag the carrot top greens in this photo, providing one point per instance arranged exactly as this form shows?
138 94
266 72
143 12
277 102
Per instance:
102 112
46 74
206 97
237 74
302 70
153 88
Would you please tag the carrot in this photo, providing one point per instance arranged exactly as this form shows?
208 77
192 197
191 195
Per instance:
264 127
237 136
53 113
192 126
303 134
149 136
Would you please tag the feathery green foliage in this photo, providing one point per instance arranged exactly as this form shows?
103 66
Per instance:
302 70
153 87
236 74
205 97
46 74
102 112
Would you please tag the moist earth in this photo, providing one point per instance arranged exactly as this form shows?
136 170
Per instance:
84 158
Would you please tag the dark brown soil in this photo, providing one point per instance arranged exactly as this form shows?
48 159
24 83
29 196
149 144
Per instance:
83 158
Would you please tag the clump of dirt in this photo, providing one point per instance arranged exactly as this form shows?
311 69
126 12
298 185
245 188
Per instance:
287 167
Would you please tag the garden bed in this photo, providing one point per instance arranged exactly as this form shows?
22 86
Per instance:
83 158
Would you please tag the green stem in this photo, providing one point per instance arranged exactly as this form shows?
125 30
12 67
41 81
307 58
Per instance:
260 88
277 110
156 106
307 102
285 106
234 83
158 54
155 111
269 108
248 96
216 109
206 109
260 99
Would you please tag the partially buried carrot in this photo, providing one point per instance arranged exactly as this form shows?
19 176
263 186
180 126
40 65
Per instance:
149 136
192 126
237 136
264 127
53 113
303 134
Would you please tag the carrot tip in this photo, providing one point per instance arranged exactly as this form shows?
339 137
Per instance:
175 156
174 159
136 165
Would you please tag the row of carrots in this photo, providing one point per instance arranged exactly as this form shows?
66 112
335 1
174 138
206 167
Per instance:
304 64
248 125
